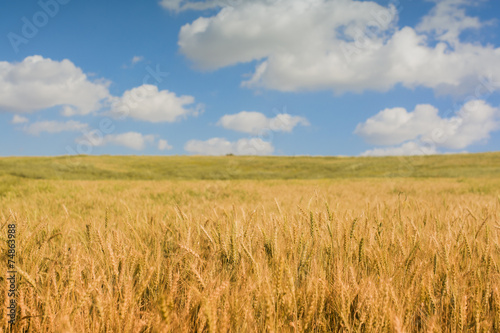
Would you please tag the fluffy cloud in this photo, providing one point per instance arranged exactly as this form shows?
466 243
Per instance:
19 119
257 123
221 146
448 20
342 45
423 127
147 103
163 145
39 83
394 126
55 127
132 140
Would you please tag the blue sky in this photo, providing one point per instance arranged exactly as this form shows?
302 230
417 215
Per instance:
274 77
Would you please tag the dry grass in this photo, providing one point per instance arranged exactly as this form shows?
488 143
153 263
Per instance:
255 256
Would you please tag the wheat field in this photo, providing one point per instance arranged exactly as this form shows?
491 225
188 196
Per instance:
331 255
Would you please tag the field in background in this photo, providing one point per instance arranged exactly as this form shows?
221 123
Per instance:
132 244
247 167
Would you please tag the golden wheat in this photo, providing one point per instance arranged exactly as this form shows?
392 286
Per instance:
254 256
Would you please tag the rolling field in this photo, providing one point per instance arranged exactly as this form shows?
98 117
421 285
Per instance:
252 244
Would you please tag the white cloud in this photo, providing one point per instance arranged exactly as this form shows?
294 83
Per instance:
448 19
132 140
163 145
257 123
221 146
39 83
137 59
147 103
406 149
55 127
394 126
19 119
342 45
423 127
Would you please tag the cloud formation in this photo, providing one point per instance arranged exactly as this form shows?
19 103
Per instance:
221 146
423 127
39 83
131 140
257 123
448 19
163 145
17 119
340 45
147 103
